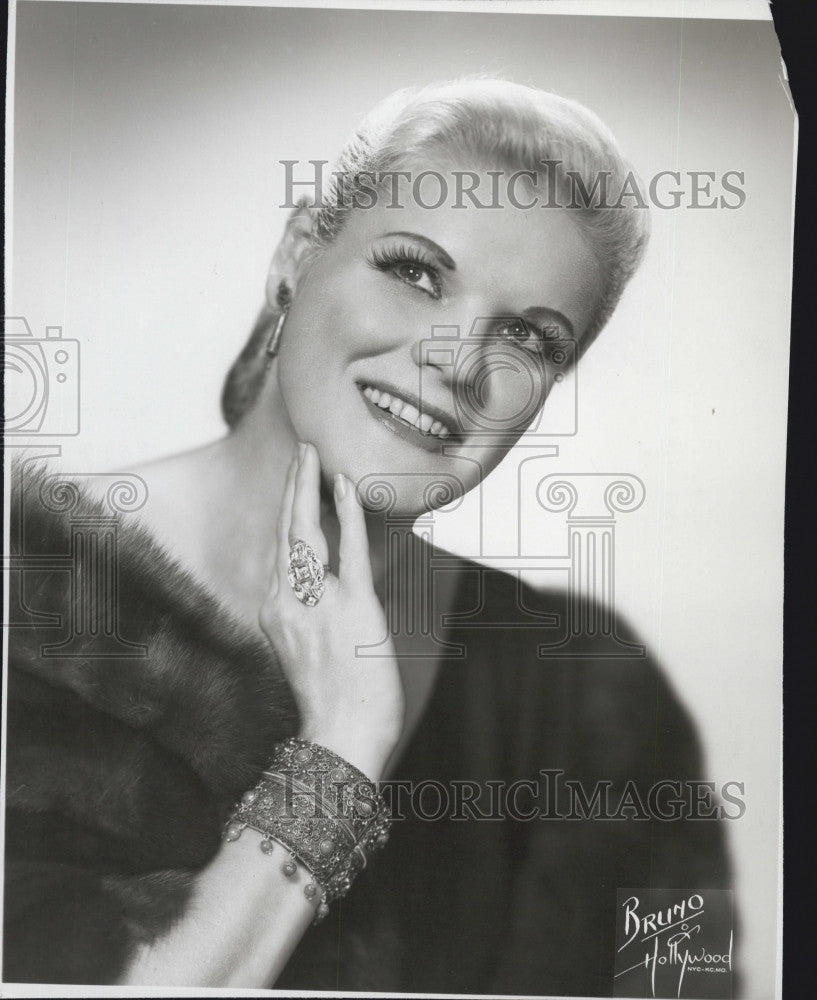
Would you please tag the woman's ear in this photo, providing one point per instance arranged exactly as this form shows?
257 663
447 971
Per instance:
290 252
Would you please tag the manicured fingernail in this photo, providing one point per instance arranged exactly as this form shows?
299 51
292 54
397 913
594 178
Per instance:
301 452
340 486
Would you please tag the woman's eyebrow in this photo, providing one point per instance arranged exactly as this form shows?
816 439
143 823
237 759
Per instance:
445 259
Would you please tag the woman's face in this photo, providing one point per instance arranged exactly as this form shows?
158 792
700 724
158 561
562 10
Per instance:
369 377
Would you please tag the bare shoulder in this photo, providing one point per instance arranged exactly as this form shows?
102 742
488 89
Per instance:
171 512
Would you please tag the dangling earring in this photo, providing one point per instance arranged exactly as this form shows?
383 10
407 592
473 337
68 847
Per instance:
284 298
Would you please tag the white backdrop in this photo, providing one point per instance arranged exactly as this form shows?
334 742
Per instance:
145 208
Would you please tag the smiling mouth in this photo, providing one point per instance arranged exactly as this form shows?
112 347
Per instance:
402 415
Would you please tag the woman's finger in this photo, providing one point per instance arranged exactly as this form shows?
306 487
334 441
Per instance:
306 504
284 516
355 561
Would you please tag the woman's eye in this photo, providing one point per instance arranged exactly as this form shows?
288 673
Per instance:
416 275
519 332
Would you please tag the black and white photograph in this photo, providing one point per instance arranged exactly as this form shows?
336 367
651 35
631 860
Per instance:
395 450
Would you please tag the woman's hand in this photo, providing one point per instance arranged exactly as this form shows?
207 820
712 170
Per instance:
352 704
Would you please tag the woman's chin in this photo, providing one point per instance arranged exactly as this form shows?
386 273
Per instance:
399 481
408 494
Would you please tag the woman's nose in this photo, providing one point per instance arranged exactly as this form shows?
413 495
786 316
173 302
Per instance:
448 363
449 347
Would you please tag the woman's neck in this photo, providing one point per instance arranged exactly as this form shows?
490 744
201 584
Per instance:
215 508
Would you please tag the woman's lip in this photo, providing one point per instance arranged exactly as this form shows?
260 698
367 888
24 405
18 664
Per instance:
406 432
423 406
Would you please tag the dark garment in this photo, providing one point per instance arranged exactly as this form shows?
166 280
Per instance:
121 771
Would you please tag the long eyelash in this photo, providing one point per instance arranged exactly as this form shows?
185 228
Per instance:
386 259
402 252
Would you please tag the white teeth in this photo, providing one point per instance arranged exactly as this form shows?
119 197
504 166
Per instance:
410 413
406 411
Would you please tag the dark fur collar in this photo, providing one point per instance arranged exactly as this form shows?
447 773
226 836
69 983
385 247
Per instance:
187 687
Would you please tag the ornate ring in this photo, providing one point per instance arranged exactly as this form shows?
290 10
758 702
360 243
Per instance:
306 573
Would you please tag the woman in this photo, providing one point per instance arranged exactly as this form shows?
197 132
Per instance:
260 572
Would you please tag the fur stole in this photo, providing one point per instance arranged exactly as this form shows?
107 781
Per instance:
122 768
125 749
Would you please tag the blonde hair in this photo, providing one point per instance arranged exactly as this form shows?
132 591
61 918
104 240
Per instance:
492 121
